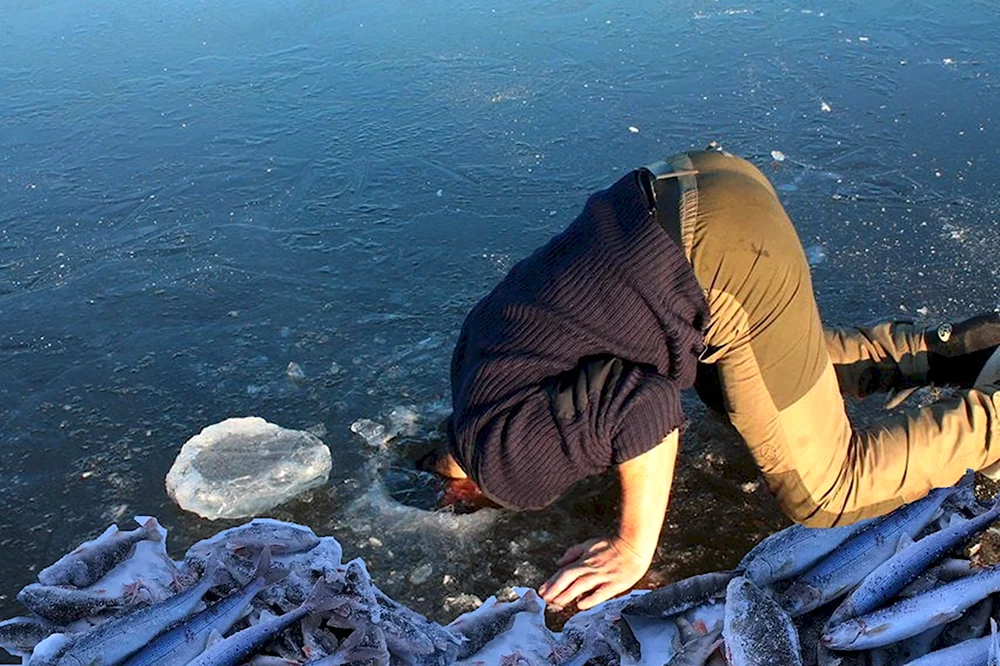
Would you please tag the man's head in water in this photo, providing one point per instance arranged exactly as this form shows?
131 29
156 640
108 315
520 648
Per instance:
460 492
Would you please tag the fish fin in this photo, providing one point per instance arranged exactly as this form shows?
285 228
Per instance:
531 602
349 644
213 638
994 654
322 598
945 617
263 565
152 528
905 541
687 631
954 520
897 397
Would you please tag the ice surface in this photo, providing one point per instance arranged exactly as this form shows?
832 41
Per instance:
242 467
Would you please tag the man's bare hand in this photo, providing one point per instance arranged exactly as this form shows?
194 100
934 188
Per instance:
604 568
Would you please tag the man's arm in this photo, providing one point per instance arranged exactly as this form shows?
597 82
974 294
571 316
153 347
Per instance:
607 567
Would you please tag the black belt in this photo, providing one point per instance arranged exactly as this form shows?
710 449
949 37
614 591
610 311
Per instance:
665 194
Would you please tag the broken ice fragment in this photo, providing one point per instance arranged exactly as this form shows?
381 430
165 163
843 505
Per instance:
295 372
245 466
374 434
778 155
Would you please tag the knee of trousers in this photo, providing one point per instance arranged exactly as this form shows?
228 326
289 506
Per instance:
821 502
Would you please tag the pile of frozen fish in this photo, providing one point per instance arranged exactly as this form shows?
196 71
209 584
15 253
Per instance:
890 590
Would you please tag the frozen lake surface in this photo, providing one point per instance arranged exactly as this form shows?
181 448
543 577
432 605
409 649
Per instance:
196 195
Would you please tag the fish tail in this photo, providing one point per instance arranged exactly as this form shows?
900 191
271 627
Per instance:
531 602
322 598
150 527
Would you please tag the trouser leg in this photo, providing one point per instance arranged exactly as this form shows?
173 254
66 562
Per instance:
776 366
878 358
825 472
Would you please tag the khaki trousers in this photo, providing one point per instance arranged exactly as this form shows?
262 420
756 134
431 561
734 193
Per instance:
782 374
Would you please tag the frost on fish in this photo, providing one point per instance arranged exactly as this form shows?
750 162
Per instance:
282 538
837 573
911 616
63 605
20 635
91 560
314 609
489 621
681 595
758 632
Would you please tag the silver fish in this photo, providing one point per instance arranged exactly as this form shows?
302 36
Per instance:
363 609
974 652
857 557
283 538
912 616
443 640
187 640
791 551
886 581
243 644
757 631
64 605
950 569
483 625
363 645
973 624
681 595
114 640
695 648
92 560
20 635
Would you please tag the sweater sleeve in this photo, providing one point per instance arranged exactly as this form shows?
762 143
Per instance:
531 448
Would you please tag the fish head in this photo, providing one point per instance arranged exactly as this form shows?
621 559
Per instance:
843 635
760 571
800 598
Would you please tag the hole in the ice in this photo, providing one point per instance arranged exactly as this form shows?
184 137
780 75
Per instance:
408 477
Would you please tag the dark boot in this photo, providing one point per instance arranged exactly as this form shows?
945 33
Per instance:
957 353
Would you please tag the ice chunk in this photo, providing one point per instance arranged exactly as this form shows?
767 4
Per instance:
245 466
374 434
778 156
404 421
295 372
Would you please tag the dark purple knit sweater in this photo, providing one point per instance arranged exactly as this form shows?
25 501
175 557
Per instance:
576 360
